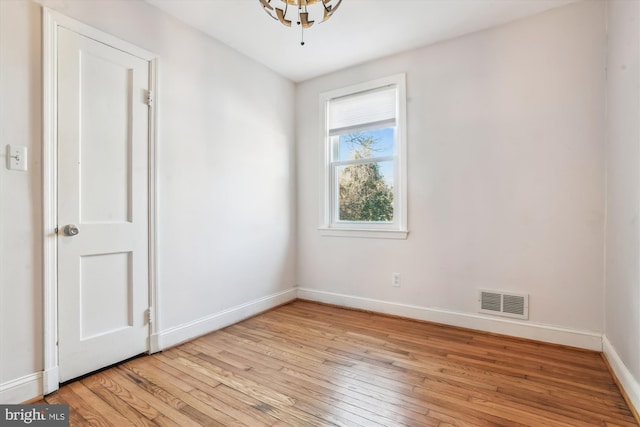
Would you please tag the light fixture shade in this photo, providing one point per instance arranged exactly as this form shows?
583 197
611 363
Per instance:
304 13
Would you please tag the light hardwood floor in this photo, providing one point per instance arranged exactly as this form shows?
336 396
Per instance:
306 364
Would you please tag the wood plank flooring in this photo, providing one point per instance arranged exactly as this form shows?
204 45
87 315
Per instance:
306 364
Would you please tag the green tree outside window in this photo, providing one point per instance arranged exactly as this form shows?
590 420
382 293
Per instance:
364 194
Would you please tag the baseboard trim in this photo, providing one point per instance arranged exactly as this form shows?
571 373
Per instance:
188 331
20 390
533 331
630 387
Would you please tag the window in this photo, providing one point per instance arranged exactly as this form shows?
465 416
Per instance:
364 163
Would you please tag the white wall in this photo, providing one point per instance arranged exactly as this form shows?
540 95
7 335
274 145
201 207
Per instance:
20 192
506 176
225 174
622 325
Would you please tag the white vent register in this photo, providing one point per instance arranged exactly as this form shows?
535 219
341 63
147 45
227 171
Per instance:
504 304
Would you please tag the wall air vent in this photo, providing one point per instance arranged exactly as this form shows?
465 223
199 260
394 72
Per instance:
504 304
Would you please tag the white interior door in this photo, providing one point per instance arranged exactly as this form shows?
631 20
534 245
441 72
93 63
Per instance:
103 140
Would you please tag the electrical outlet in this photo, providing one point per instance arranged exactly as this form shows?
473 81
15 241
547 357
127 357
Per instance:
395 280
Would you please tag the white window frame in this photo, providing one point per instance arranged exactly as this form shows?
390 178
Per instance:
397 229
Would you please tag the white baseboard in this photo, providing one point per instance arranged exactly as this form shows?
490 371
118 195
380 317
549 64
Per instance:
630 384
517 328
21 390
205 325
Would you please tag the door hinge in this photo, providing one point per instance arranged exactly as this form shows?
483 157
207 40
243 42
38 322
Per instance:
149 98
148 316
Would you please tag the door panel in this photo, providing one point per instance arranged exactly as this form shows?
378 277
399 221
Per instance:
105 292
105 140
103 124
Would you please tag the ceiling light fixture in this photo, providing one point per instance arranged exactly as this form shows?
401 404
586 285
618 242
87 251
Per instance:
304 15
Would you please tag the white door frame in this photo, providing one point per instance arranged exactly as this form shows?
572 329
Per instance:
51 20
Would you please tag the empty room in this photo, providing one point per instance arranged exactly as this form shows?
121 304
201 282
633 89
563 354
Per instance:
320 212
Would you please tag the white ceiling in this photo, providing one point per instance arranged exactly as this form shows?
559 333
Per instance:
359 31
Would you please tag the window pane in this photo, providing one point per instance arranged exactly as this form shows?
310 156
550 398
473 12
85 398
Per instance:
365 145
366 192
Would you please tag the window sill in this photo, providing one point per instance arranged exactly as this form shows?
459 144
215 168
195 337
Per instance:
364 233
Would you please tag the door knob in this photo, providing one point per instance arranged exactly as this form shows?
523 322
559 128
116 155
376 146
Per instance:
71 230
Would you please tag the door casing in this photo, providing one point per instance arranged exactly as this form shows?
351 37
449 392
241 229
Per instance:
51 21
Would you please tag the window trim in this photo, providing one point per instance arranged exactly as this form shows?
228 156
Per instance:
396 229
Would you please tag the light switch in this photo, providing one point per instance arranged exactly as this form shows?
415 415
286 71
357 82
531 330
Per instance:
17 157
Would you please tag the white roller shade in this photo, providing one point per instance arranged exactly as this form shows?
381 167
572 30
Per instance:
373 109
